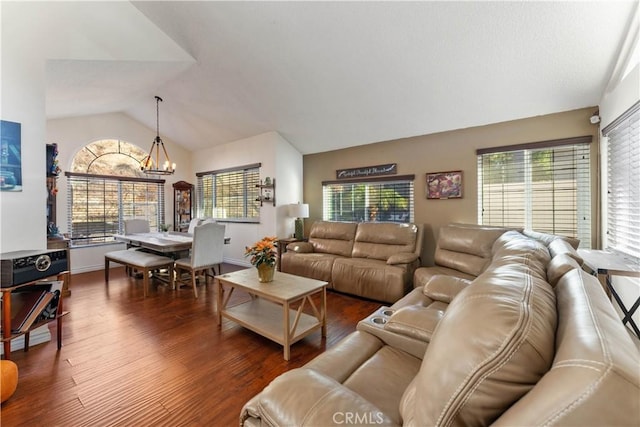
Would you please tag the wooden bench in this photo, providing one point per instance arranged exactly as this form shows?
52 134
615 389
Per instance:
143 261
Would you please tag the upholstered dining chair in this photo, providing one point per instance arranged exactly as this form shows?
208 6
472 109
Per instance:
193 224
206 253
132 226
136 226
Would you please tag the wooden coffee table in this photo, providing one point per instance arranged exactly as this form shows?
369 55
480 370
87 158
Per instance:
270 312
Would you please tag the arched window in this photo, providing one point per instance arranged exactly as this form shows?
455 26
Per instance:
106 187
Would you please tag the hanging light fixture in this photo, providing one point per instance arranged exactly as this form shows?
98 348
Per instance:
153 159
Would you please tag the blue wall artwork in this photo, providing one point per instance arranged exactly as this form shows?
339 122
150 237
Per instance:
10 156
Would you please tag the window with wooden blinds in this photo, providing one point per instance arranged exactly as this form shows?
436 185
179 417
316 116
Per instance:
229 194
542 186
623 182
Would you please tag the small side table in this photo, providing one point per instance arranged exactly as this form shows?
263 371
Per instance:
282 247
605 264
62 243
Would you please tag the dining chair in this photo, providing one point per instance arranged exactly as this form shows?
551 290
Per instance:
193 224
136 226
132 226
206 253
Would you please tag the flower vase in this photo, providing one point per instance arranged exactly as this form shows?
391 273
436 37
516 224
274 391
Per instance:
265 272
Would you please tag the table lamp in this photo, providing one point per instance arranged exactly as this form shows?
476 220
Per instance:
299 211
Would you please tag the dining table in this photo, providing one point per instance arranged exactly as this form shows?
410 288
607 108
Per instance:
171 242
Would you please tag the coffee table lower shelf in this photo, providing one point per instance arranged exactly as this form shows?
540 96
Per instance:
268 319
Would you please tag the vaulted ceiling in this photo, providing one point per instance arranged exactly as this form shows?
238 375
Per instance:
327 75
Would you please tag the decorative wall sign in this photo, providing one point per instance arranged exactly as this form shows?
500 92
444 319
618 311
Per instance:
10 156
389 169
444 185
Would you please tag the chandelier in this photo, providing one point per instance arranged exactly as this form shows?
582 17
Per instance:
153 158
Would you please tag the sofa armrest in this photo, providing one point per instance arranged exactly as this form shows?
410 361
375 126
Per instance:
402 258
304 397
300 247
444 288
415 322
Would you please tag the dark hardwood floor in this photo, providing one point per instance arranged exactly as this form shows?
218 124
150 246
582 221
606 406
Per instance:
161 360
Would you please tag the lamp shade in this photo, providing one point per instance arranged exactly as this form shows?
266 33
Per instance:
299 210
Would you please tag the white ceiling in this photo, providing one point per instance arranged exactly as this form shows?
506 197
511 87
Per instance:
327 75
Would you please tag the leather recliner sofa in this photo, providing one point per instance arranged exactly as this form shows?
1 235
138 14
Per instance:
532 340
374 260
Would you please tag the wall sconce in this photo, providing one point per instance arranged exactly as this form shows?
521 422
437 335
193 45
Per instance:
299 211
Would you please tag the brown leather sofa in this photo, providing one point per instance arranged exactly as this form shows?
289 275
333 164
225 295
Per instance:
532 340
371 260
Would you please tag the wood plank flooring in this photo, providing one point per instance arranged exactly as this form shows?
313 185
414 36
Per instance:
161 360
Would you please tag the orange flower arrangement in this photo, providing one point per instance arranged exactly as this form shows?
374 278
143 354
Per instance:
262 252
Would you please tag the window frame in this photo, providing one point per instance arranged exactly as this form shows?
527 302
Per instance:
581 194
622 167
408 180
117 183
249 204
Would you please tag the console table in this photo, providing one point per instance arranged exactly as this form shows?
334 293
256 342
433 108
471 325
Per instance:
605 264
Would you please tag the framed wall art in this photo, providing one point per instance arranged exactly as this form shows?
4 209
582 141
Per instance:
444 185
10 156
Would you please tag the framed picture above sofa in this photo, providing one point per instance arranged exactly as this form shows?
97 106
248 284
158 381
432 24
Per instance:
444 185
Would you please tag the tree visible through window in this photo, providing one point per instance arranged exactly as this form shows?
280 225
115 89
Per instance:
386 199
106 187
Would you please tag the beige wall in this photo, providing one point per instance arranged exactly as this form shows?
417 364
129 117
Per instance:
446 151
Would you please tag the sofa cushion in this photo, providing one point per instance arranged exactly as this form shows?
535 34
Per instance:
382 240
466 248
333 237
547 238
313 265
444 288
560 246
559 266
306 398
300 247
467 239
423 274
383 378
370 278
510 314
342 360
402 258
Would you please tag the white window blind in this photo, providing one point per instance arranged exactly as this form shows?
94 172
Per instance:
623 182
543 186
98 205
385 199
230 194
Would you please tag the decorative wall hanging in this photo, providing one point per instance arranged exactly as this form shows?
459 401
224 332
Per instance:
10 156
388 169
444 185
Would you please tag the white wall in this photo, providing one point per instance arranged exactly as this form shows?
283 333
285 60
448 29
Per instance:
278 160
23 214
82 32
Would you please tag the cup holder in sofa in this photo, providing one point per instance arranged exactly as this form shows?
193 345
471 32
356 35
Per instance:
380 317
379 320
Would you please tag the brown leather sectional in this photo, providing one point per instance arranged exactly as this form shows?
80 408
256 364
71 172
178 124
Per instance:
371 260
531 340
